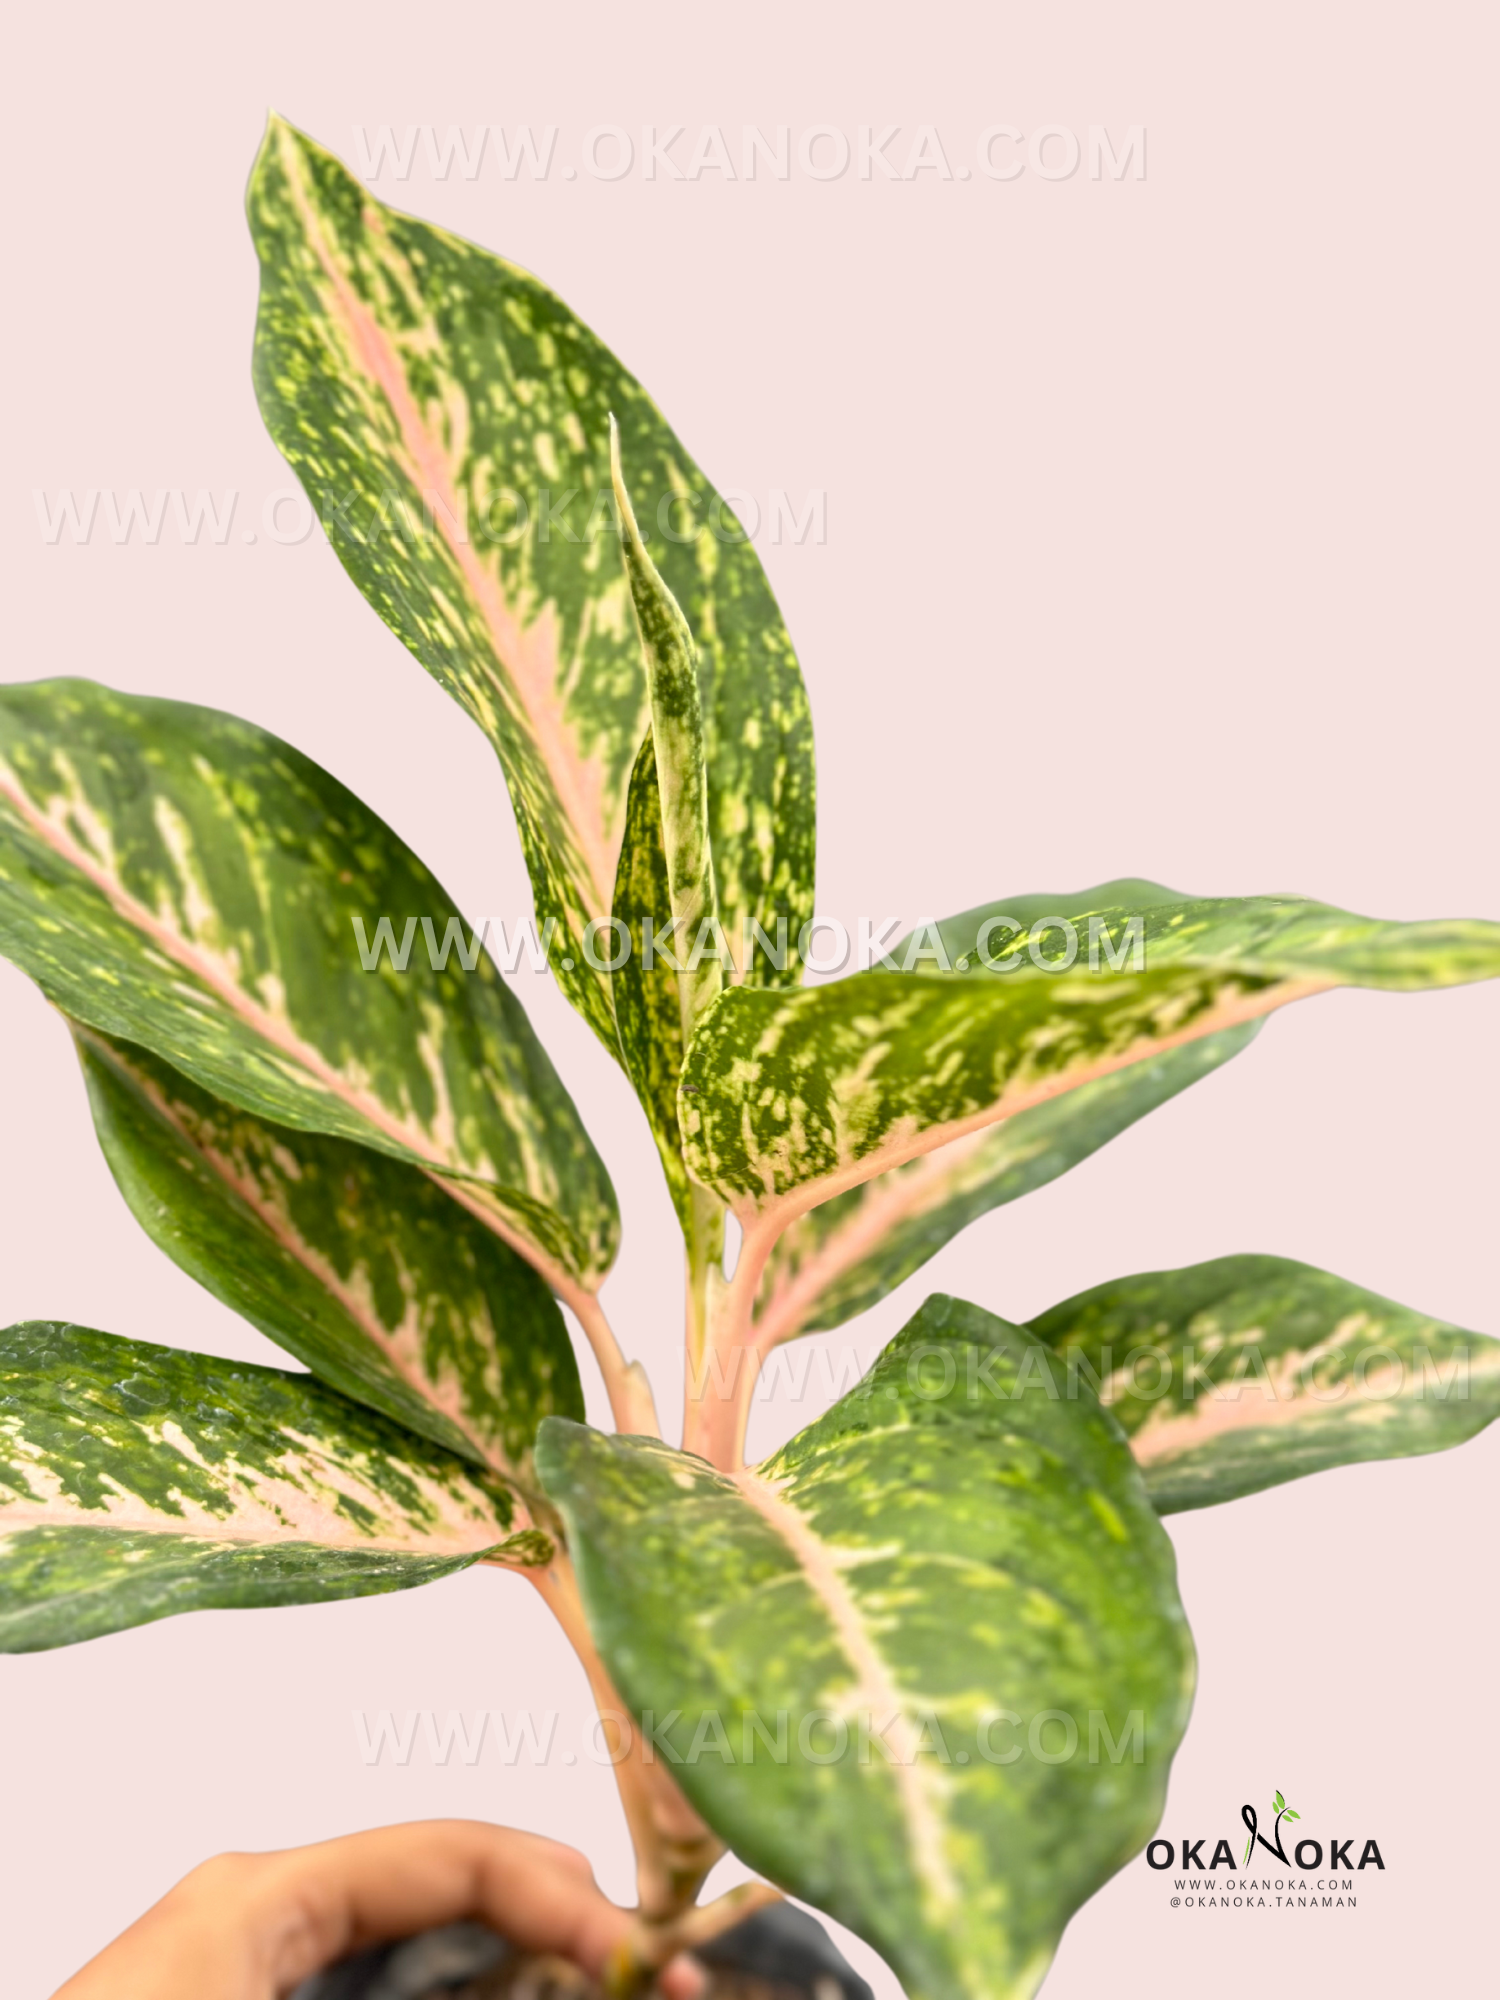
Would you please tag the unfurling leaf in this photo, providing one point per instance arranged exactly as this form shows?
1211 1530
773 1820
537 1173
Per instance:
136 1482
187 882
1243 1372
650 1003
895 1667
842 1256
790 1098
449 416
1280 1803
357 1263
681 778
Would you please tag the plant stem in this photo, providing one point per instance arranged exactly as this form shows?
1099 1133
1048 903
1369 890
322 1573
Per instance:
631 1403
647 1947
705 1254
674 1848
719 1387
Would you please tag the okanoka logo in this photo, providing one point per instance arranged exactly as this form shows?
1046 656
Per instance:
1282 1839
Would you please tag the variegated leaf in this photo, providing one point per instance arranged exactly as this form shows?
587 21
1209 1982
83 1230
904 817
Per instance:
355 1262
881 1665
790 1098
681 776
841 1257
182 880
1273 937
1246 1371
136 1482
449 418
650 1006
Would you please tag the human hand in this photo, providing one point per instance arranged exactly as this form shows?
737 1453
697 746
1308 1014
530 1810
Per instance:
253 1926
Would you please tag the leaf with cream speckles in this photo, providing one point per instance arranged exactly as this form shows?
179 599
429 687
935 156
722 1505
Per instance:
649 1003
185 881
790 1098
356 1263
844 1255
448 416
1243 1372
911 1594
681 775
136 1482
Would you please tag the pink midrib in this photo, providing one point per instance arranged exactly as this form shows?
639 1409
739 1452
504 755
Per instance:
765 1223
17 1515
579 790
281 1035
789 1305
275 1223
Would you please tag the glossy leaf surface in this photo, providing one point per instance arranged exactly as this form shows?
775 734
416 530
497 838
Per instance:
790 1098
949 1567
1268 936
1243 1372
136 1481
843 1256
182 880
449 417
681 773
649 1002
358 1264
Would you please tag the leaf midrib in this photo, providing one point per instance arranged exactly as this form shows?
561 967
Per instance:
278 1226
764 1221
917 1784
450 1175
511 643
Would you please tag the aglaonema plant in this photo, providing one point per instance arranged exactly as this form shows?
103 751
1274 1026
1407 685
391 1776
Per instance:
926 1667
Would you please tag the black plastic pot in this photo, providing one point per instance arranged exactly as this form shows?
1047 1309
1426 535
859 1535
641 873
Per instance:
778 1947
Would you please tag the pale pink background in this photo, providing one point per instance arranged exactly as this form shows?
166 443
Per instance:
1161 530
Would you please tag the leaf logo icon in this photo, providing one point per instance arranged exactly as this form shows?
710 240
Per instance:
1273 1845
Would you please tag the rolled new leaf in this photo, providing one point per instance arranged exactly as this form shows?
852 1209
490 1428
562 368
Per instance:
653 1013
681 773
182 880
843 1256
1243 1372
358 1264
448 416
790 1098
926 1667
137 1482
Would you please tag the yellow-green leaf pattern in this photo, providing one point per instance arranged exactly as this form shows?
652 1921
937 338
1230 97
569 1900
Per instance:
448 416
182 880
681 776
842 1256
1243 1372
790 1098
136 1482
358 1264
926 1667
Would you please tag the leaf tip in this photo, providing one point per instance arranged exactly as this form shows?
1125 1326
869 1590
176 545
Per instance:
622 492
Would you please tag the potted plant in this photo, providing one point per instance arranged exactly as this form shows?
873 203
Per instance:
926 1667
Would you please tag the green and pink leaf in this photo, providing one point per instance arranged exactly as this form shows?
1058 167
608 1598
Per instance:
137 1482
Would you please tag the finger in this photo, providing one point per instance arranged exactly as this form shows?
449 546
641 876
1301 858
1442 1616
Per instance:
252 1926
318 1904
683 1979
